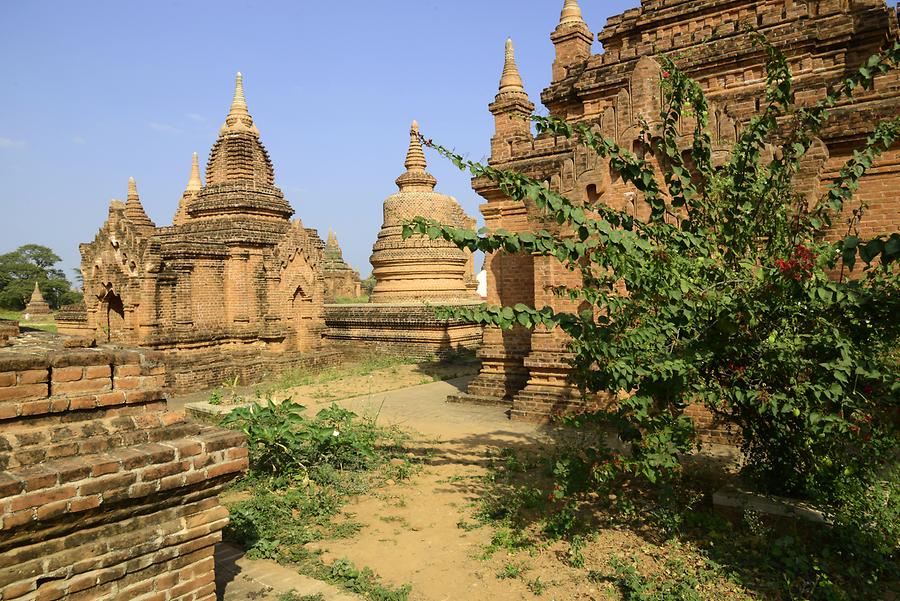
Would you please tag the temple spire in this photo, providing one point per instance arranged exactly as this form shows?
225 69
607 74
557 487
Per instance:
415 158
510 80
571 14
332 238
238 117
132 191
36 295
134 210
194 183
415 178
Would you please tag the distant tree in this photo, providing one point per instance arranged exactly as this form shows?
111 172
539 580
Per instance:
31 263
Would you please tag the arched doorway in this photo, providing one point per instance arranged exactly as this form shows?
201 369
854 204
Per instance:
302 312
113 316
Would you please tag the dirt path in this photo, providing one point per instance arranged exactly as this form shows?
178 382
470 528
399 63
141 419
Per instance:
422 531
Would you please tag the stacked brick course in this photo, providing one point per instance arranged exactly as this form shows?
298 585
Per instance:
103 494
613 90
232 277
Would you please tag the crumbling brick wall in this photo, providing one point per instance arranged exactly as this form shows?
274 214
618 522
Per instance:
103 493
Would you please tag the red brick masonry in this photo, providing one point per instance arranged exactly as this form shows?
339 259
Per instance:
103 493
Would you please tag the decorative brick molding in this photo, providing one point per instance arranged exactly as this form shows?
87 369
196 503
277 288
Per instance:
103 493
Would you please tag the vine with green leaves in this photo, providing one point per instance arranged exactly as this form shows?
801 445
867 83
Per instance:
732 300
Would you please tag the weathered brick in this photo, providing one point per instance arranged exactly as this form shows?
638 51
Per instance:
79 387
23 393
111 398
34 376
84 503
66 374
122 371
98 371
105 484
42 497
7 378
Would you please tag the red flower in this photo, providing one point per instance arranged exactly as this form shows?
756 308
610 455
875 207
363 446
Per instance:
665 74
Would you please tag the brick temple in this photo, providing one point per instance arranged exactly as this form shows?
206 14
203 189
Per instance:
233 287
613 90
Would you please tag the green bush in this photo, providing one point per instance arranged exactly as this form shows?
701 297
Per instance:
732 297
283 442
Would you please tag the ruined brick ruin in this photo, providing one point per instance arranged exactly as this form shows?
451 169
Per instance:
104 494
412 274
611 91
341 280
232 288
37 307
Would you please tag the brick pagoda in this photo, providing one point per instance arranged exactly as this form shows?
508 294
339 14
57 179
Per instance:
37 306
232 288
613 90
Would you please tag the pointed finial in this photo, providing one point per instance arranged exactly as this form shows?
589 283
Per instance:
510 80
239 103
194 183
571 14
239 115
332 239
415 178
134 210
132 190
415 158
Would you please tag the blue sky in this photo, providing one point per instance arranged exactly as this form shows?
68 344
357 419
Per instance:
97 91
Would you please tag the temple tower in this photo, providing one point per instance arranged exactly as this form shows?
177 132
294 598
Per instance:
511 108
572 40
340 279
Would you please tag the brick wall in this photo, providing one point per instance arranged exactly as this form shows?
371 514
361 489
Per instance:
403 330
103 493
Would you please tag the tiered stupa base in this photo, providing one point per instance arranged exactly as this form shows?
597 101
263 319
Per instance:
400 329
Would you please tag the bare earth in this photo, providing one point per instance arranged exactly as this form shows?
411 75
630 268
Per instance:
422 531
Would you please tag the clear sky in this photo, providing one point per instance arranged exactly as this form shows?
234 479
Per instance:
96 91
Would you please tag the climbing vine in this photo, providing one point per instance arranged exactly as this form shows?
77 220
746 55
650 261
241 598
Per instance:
736 299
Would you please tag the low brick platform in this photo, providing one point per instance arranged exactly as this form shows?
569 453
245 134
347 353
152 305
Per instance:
401 329
103 493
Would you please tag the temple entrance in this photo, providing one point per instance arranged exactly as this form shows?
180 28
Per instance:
302 313
113 311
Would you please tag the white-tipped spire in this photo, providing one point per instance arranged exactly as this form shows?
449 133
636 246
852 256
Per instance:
510 80
132 191
571 14
194 183
415 158
239 115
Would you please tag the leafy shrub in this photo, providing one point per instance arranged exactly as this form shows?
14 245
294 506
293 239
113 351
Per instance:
283 442
731 297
